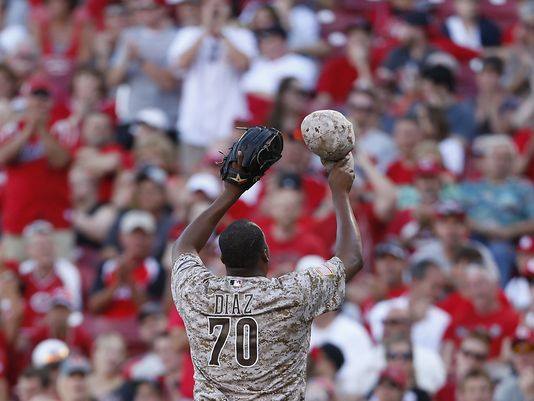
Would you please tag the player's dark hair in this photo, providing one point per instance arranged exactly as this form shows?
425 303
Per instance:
467 254
242 244
419 270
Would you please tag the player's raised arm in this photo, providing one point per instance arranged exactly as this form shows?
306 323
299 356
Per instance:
249 158
348 241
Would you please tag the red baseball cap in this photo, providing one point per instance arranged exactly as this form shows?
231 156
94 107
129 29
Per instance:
396 376
526 244
36 83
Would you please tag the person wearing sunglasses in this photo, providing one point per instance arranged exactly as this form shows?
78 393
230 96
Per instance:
399 355
519 387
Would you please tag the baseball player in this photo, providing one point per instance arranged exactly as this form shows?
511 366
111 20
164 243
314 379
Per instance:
249 334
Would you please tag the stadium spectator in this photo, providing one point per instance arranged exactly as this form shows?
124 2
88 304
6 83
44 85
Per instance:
115 20
213 56
391 386
472 354
406 134
390 268
429 368
72 383
468 28
140 62
289 107
476 386
108 356
172 362
326 361
355 67
399 355
45 276
489 311
63 38
429 321
31 383
125 282
519 289
495 224
362 110
36 160
275 63
521 386
354 345
186 12
148 390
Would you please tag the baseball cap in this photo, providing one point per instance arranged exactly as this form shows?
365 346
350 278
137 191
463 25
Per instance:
333 353
137 219
48 352
73 365
395 376
428 168
206 183
61 298
440 75
37 227
152 173
36 85
154 118
450 209
526 244
416 18
391 248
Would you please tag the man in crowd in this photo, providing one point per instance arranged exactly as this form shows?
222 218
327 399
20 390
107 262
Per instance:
407 134
72 382
476 386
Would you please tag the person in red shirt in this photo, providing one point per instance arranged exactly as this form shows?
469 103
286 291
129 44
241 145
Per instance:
390 267
340 74
126 282
407 134
489 311
45 276
288 240
36 161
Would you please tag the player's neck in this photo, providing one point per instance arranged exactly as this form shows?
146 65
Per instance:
240 272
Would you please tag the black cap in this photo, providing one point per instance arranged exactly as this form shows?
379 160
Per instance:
440 75
416 18
289 181
334 354
493 63
275 30
391 248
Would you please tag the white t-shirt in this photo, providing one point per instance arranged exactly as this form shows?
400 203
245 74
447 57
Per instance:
427 332
265 75
212 98
463 35
355 344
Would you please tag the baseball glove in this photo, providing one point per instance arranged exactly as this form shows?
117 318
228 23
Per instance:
251 156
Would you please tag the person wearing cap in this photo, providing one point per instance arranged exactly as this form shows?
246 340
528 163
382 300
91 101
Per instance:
519 387
391 386
451 231
31 383
339 74
325 362
274 63
35 160
405 61
390 262
425 289
149 195
477 385
212 57
128 280
72 383
468 28
519 289
140 62
44 275
487 201
356 346
151 121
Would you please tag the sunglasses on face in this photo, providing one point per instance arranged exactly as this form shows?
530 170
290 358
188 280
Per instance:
403 356
42 93
477 356
395 322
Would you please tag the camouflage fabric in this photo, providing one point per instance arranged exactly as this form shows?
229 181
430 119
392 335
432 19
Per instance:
249 336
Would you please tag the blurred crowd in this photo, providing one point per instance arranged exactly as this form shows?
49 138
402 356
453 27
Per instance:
113 115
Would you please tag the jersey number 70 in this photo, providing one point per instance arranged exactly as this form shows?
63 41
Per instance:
246 339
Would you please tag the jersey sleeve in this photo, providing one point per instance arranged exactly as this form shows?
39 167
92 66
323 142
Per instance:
323 288
188 271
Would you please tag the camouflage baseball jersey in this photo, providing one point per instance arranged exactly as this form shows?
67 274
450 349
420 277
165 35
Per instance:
249 336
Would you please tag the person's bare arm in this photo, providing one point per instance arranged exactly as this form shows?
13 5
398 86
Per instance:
57 155
199 230
102 299
11 148
188 57
348 241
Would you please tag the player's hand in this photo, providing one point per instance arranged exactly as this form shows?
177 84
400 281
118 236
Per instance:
234 188
341 174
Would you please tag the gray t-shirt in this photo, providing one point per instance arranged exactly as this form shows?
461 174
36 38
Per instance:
140 90
249 336
509 390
